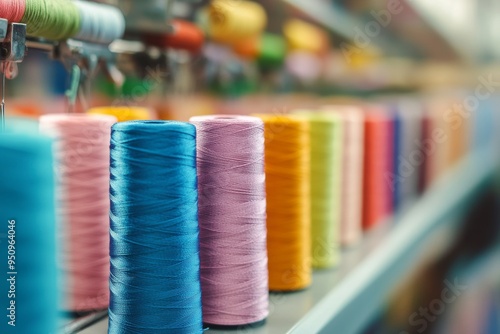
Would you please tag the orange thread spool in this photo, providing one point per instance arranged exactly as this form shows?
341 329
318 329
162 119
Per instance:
287 165
123 114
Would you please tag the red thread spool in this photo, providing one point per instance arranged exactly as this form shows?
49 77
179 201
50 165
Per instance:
12 10
378 166
184 36
425 170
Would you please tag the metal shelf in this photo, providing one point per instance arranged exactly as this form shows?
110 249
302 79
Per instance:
344 24
369 272
336 19
455 22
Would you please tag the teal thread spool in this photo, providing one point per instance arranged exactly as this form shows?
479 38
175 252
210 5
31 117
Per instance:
27 226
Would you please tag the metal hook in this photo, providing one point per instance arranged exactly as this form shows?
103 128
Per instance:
72 92
12 51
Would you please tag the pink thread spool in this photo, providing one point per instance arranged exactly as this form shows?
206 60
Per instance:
351 228
12 10
82 171
232 218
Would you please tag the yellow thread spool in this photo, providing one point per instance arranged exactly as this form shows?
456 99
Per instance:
230 21
287 165
458 129
123 114
326 135
303 36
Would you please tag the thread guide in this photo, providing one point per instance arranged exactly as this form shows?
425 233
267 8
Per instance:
13 50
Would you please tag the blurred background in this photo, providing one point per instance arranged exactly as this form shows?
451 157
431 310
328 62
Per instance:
440 272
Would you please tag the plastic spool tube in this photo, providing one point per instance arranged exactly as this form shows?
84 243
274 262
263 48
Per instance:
326 137
352 176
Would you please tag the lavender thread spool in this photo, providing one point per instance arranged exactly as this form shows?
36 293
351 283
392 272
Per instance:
232 217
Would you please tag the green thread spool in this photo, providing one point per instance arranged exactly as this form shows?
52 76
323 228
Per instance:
326 133
51 19
272 51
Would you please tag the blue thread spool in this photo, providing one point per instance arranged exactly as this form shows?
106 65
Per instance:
27 197
154 281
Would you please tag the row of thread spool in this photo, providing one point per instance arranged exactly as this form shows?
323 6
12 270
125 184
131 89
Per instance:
154 226
63 19
240 27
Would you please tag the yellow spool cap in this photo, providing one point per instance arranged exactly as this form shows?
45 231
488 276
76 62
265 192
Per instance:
326 134
230 21
287 166
302 36
123 114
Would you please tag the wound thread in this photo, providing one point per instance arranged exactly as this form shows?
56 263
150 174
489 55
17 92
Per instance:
99 23
12 10
378 168
123 114
287 166
351 227
232 214
27 231
326 167
54 19
155 266
82 169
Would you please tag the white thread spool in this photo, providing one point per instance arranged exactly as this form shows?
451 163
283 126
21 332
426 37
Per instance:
99 23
